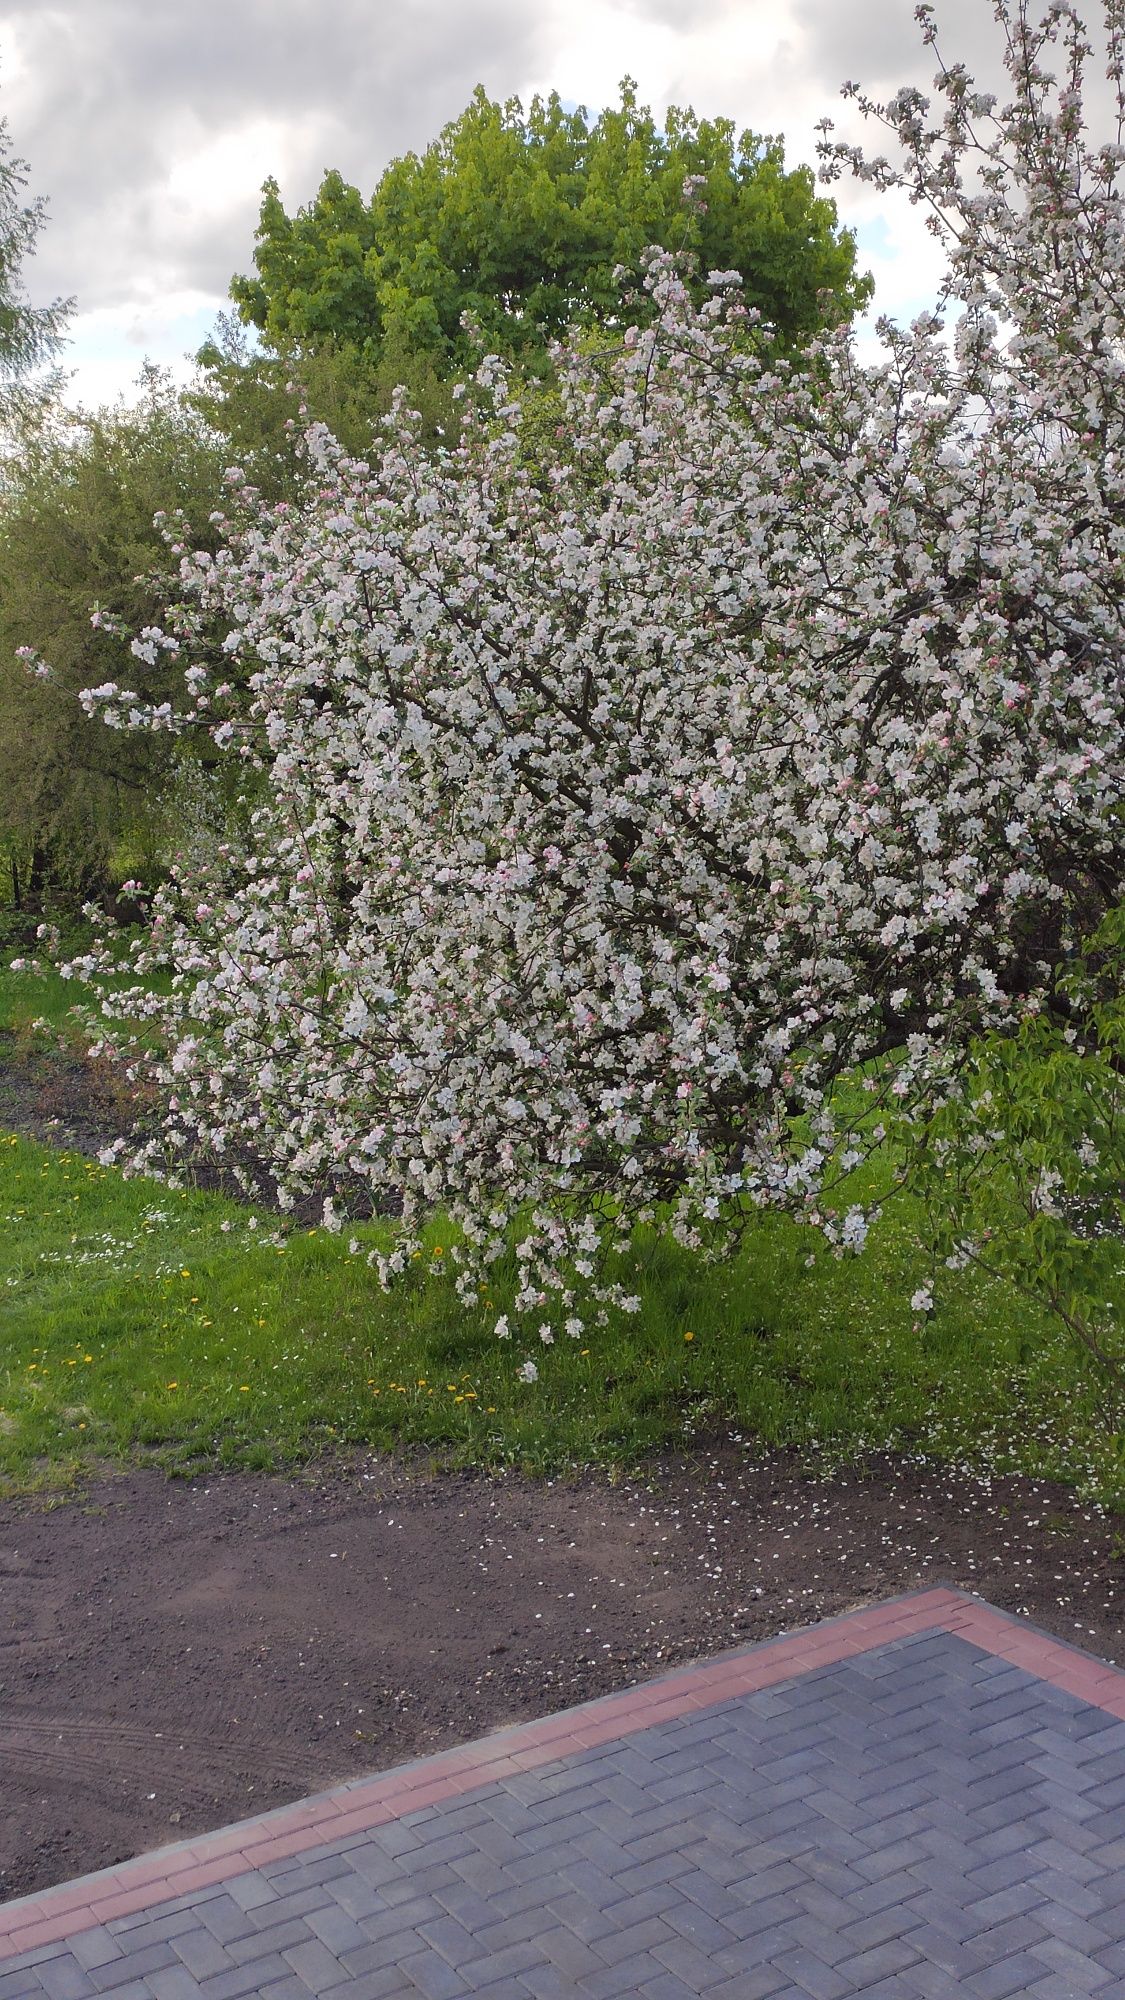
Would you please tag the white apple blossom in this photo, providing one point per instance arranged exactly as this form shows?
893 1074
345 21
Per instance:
612 806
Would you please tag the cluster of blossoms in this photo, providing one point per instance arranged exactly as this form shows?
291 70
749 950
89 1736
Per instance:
611 805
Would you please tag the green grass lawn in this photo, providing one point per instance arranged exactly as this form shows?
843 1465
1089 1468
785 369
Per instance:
138 1320
26 997
135 1320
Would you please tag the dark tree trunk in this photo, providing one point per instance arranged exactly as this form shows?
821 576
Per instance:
37 877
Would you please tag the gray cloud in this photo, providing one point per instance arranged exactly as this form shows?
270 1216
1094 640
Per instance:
104 96
880 46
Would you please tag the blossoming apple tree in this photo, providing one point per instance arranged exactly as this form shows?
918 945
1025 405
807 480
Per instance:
611 805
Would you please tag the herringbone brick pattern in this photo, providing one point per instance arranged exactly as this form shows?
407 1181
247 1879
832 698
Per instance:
919 1821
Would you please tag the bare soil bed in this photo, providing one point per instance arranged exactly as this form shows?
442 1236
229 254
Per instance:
174 1656
54 1094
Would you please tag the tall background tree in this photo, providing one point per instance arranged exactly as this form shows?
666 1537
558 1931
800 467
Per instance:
80 804
521 221
30 335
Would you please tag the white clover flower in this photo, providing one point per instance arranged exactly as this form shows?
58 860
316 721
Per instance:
528 1373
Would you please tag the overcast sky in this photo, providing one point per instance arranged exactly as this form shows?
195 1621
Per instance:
151 124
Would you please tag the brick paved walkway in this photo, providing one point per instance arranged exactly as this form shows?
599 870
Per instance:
923 1799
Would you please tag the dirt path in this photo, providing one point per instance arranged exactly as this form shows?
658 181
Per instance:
174 1656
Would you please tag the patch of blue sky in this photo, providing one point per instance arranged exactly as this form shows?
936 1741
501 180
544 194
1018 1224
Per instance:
107 351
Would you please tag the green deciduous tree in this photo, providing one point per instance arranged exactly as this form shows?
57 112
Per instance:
521 221
1022 1168
77 529
260 403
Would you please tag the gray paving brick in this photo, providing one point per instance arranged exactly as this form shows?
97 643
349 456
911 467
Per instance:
570 1954
1005 1980
251 1891
335 1928
960 1961
243 1980
635 1939
133 1989
581 1917
351 1893
458 1945
427 1972
264 1916
92 1948
224 1918
620 1981
64 1979
1082 1971
173 1982
306 1873
687 1961
879 1929
705 1933
546 1982
203 1955
666 1986
385 1984
22 1984
137 1960
810 1973
512 1964
273 1937
166 1920
763 1984
1055 1987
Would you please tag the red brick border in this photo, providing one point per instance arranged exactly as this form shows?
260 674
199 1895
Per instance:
364 1803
